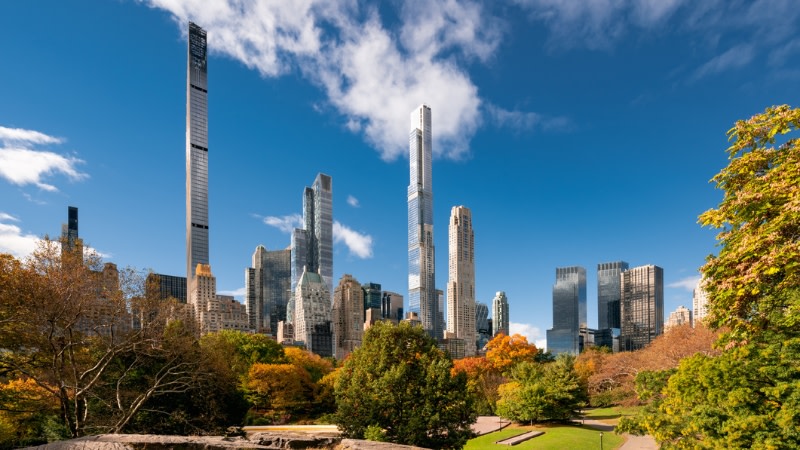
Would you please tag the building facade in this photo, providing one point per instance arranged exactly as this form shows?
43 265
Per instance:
699 303
609 294
461 281
268 289
422 298
482 327
166 286
500 314
392 306
372 296
642 306
196 153
312 245
203 300
569 310
69 233
681 316
312 313
348 316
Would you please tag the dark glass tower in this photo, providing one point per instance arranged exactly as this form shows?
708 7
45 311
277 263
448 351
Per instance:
196 153
312 245
569 310
642 308
608 294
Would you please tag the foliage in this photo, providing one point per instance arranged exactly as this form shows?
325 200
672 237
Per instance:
400 382
540 392
759 219
483 381
316 366
27 414
281 390
241 350
504 352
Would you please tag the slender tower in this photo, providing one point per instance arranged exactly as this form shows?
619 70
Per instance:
196 154
422 297
461 283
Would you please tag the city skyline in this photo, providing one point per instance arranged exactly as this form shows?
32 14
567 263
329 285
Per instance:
593 147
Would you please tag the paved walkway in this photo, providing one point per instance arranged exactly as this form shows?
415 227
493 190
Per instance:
631 442
488 424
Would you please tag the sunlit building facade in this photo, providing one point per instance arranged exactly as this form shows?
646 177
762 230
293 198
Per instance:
500 314
642 306
461 281
348 316
268 289
569 311
312 245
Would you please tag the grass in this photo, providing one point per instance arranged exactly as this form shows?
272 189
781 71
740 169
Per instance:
554 437
611 414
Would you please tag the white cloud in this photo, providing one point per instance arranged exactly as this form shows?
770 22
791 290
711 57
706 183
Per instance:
688 283
352 201
238 293
358 244
20 136
22 165
14 241
372 78
9 217
532 333
286 223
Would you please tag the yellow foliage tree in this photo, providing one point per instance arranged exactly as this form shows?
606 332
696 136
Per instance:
504 352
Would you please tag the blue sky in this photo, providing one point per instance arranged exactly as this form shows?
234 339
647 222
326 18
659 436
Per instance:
577 132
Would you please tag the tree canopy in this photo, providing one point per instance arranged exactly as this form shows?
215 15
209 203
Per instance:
399 384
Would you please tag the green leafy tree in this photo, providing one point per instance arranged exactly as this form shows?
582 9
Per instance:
540 392
759 219
398 381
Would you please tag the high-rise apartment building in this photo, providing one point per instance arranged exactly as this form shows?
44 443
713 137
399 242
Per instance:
203 300
372 296
348 316
500 314
312 245
422 298
642 306
268 289
196 153
609 294
391 306
699 303
681 316
69 232
482 327
312 313
166 286
461 282
569 310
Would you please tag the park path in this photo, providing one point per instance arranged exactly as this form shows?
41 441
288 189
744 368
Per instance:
631 442
488 424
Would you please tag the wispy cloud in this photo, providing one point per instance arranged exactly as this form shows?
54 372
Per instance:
372 74
352 201
532 333
524 121
359 245
238 293
21 165
688 283
7 217
733 58
285 223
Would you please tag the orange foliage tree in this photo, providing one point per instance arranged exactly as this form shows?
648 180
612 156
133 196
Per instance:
503 352
279 390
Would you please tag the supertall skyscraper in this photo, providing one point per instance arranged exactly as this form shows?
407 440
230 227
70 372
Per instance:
312 245
642 306
461 282
609 294
422 298
70 242
196 154
569 310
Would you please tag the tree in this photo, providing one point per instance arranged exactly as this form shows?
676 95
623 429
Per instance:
280 390
399 382
759 219
504 352
540 392
483 381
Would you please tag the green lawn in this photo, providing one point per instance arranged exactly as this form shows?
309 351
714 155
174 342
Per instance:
611 414
554 437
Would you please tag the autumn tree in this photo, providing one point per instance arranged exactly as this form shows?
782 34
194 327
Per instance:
399 385
279 390
483 381
504 351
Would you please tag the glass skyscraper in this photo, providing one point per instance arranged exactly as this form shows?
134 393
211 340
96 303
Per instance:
267 289
196 153
609 294
422 298
500 314
642 308
569 310
312 245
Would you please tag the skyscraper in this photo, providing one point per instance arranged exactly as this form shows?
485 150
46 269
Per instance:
422 298
372 296
569 310
500 314
312 245
681 316
267 289
392 306
312 313
642 308
196 154
69 232
348 316
461 283
699 303
609 294
482 326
